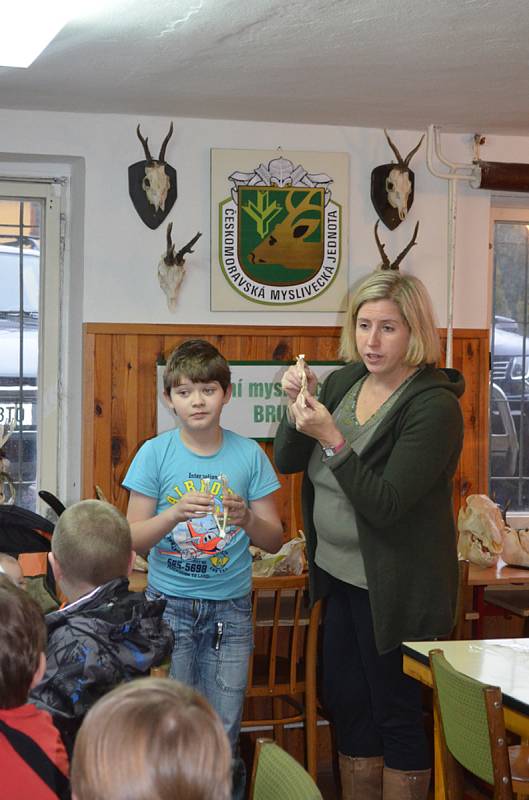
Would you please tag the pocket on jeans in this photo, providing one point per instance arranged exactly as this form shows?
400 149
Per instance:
234 654
242 605
153 594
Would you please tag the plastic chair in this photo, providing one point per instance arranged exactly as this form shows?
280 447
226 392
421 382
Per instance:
282 670
278 776
472 734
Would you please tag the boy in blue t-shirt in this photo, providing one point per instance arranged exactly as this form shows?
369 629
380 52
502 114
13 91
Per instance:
199 495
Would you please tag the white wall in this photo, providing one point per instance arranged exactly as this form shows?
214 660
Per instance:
118 262
113 256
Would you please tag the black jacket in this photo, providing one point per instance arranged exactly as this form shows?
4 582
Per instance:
401 490
107 637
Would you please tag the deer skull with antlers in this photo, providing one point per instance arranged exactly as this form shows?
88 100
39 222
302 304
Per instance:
171 267
152 183
392 187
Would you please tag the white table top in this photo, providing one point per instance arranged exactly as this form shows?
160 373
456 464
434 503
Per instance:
498 662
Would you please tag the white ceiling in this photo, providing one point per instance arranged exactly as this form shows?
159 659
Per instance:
402 64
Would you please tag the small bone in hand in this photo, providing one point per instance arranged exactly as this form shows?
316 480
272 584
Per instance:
300 364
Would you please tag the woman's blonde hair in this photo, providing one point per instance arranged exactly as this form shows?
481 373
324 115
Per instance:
413 301
152 739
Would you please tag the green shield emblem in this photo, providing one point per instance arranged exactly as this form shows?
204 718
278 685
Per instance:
281 233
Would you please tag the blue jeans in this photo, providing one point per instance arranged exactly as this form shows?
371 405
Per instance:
213 643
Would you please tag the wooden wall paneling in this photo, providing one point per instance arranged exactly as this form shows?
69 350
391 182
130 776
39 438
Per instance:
98 406
125 407
120 396
88 412
471 357
149 351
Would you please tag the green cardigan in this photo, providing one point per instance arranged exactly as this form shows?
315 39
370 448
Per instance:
401 490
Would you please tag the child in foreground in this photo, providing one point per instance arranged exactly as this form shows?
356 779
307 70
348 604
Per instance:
199 495
105 634
151 738
33 761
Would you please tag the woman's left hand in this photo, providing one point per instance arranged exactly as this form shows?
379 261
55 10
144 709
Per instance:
315 421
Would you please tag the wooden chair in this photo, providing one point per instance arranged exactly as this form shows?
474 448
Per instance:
472 734
282 670
278 776
465 612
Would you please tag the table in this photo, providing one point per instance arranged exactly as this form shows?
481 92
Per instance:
499 575
499 662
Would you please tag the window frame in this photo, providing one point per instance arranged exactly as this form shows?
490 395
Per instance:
49 385
504 209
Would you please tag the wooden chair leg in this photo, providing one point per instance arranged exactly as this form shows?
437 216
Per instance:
279 733
311 723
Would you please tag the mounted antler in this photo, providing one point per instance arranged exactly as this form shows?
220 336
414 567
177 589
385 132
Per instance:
169 258
152 183
171 269
161 157
403 163
386 263
145 143
187 249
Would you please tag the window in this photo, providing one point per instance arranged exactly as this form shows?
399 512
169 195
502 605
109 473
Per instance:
29 339
509 399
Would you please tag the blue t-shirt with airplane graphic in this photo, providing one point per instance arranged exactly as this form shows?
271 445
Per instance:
195 559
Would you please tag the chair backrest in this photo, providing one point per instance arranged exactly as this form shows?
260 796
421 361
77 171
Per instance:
281 614
278 776
472 729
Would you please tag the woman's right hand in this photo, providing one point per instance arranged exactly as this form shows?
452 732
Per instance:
291 382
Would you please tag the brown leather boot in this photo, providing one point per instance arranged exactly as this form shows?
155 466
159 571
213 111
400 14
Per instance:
402 785
361 778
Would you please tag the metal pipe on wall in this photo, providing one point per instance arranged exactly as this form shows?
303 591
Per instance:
433 145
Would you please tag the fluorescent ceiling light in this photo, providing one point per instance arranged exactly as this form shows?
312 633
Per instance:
29 26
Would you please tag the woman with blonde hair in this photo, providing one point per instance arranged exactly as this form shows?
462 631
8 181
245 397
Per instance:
151 739
379 450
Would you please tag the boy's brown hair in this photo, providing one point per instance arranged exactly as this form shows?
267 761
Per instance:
152 738
23 637
92 543
198 361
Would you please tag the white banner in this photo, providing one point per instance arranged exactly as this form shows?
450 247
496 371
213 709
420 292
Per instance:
258 401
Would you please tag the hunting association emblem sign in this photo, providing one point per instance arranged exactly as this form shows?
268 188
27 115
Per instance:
278 230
